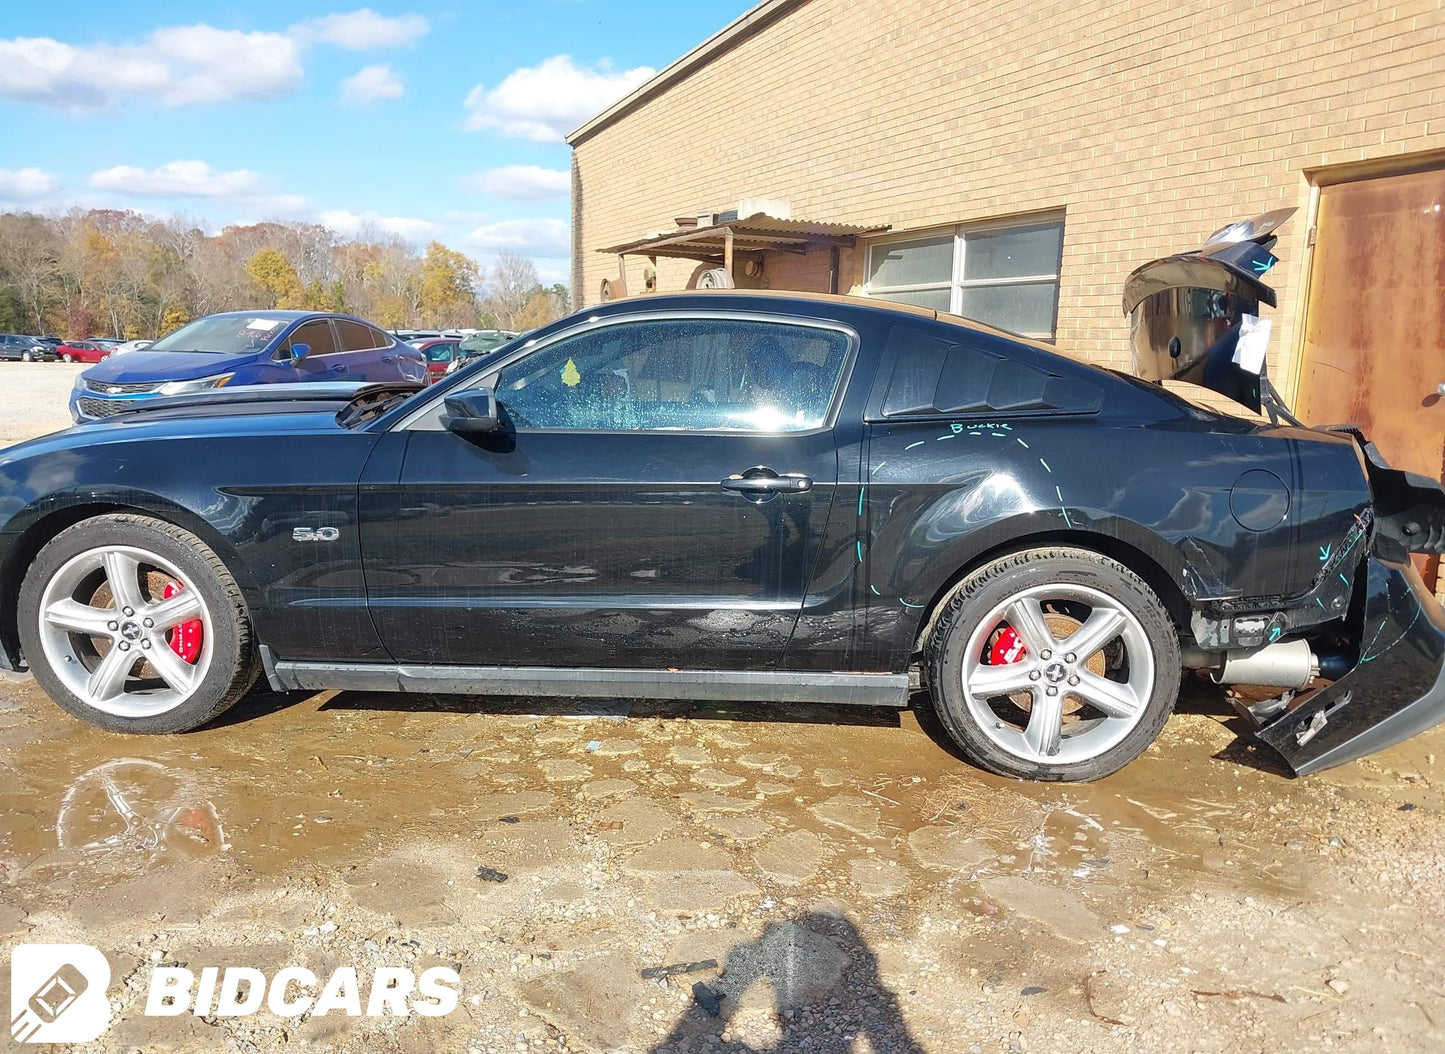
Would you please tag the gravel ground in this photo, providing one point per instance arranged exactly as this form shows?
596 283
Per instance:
33 398
838 879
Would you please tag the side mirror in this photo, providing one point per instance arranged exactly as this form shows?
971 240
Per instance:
299 351
471 412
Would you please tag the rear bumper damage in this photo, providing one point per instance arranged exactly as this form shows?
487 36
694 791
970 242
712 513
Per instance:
1395 690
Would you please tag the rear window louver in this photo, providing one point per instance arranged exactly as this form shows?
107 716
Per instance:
932 375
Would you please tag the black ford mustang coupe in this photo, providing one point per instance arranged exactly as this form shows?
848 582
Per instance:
735 496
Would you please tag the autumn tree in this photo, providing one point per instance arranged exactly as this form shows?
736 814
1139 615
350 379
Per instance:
84 273
275 279
448 293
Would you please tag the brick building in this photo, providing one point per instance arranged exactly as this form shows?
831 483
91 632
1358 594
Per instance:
1013 161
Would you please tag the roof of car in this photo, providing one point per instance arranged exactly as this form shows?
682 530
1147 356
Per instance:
843 302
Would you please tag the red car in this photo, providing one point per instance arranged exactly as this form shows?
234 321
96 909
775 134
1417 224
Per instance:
439 354
84 351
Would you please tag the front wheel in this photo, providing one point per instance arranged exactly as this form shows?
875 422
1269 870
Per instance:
25 356
135 625
66 357
1054 664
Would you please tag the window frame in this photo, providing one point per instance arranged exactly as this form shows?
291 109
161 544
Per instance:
428 416
956 283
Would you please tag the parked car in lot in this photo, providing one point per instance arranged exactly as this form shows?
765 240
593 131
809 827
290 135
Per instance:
749 497
240 348
474 345
19 348
440 353
85 351
132 345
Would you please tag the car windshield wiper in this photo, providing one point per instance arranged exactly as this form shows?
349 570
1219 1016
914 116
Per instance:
190 351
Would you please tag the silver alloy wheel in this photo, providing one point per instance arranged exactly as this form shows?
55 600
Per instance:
1054 670
116 658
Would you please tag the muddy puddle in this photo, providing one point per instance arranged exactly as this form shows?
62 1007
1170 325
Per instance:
845 863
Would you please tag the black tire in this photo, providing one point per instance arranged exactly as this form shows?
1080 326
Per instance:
971 601
234 662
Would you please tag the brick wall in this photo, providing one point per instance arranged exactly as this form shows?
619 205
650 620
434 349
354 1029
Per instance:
1149 123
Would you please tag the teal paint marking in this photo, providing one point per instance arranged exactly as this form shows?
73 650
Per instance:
907 604
956 427
949 436
1321 603
1045 464
1021 443
1343 579
1058 492
1274 634
910 446
861 491
1001 435
875 591
1325 552
1261 266
879 465
859 543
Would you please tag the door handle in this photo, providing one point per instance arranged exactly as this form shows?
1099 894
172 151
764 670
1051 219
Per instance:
762 484
337 367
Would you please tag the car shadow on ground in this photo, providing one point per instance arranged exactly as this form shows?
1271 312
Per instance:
809 984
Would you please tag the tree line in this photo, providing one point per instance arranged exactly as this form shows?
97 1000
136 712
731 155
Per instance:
103 272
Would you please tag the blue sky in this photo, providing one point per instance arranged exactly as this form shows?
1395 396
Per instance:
430 119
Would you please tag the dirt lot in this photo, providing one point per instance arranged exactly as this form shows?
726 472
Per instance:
858 885
33 398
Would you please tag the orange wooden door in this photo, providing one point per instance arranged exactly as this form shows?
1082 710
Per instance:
1374 348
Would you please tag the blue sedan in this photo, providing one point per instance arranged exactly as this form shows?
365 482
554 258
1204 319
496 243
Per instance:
246 347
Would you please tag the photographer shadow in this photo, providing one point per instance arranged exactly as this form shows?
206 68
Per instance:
811 983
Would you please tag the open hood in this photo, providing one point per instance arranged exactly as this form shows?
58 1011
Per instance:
1188 313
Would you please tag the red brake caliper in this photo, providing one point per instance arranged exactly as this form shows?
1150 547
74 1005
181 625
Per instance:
1009 647
185 639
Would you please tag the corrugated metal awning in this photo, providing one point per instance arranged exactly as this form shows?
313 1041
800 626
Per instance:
758 233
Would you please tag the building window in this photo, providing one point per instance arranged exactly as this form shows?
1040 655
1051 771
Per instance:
1005 275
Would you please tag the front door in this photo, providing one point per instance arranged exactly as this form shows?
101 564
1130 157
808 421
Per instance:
1374 347
656 499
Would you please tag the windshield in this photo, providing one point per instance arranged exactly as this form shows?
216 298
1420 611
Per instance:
481 343
223 334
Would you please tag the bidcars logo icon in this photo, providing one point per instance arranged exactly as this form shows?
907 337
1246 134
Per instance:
57 993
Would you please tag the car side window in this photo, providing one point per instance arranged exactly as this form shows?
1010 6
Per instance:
356 337
712 374
317 334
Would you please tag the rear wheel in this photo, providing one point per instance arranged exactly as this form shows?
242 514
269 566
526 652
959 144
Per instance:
66 357
26 356
135 625
1054 664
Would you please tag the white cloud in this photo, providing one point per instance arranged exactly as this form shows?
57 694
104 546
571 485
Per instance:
521 182
369 84
545 102
26 184
350 224
185 179
363 29
180 65
536 237
175 66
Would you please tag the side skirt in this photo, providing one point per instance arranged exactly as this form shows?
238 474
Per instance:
760 686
